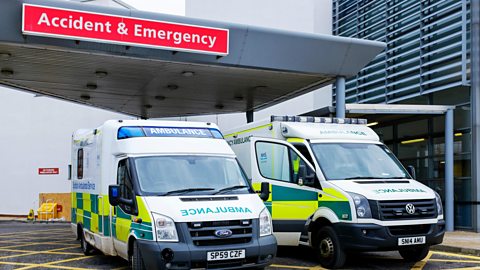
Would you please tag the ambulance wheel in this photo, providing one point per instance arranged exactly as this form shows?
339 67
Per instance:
329 252
136 259
414 254
86 247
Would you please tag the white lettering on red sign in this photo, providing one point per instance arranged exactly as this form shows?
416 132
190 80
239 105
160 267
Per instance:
48 171
81 25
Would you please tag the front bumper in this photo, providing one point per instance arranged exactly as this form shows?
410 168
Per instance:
373 237
188 256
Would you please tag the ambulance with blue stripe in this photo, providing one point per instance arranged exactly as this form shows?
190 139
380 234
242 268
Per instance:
331 184
167 195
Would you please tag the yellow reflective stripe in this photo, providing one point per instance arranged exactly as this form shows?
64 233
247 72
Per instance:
94 222
103 206
295 140
87 202
332 194
293 209
143 213
123 228
74 200
79 216
247 130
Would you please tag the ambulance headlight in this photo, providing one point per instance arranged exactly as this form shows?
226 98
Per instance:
439 204
265 223
361 205
165 228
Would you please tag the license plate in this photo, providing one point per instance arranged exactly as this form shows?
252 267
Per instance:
225 255
407 241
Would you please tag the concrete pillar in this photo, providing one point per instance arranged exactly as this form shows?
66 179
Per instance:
340 97
449 183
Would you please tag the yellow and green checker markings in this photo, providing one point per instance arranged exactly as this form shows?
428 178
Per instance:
299 204
93 212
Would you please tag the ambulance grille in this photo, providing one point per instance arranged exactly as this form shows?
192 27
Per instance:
396 210
203 233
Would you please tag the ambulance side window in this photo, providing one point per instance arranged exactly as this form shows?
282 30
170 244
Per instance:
302 148
125 183
273 161
80 164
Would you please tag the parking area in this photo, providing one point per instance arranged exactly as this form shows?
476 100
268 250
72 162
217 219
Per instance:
52 246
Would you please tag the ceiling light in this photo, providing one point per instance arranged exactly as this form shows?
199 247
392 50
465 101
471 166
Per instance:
7 72
459 134
188 73
372 124
219 106
85 97
5 56
101 74
92 86
413 141
160 97
172 86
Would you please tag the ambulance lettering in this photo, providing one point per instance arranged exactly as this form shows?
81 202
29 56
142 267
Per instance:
216 210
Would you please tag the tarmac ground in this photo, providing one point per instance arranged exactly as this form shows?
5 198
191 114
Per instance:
53 246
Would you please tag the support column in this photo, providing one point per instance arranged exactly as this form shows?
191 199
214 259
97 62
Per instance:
475 108
249 115
340 97
449 183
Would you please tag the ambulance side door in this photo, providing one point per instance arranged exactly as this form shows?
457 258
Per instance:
293 184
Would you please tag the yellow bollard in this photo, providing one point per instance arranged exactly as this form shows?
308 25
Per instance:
31 215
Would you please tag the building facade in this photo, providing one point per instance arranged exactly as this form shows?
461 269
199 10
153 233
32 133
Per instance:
427 61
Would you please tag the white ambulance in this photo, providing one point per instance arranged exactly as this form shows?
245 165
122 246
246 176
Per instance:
166 195
335 187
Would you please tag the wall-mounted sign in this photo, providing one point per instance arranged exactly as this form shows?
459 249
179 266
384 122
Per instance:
42 171
82 25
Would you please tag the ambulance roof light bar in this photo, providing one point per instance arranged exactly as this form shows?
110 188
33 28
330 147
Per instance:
312 119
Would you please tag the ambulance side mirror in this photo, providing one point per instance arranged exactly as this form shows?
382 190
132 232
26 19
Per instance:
411 171
265 191
304 178
115 197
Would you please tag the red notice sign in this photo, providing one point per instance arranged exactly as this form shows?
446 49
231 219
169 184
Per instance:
82 25
48 171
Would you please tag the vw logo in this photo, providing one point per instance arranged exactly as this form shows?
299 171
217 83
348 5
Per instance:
223 233
410 208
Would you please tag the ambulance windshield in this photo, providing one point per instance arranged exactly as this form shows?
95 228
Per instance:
348 161
190 175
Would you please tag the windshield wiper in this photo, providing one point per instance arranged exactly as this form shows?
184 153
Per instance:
371 177
230 188
185 190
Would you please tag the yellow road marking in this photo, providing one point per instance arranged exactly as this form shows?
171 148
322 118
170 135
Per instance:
44 266
466 268
419 265
318 268
46 251
50 264
449 254
35 252
455 261
41 243
290 266
30 232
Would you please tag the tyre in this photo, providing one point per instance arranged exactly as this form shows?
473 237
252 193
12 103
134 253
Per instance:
329 251
136 259
86 247
414 254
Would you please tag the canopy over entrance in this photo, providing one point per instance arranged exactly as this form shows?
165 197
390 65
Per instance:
259 68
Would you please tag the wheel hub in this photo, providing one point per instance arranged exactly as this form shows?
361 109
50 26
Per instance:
326 247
